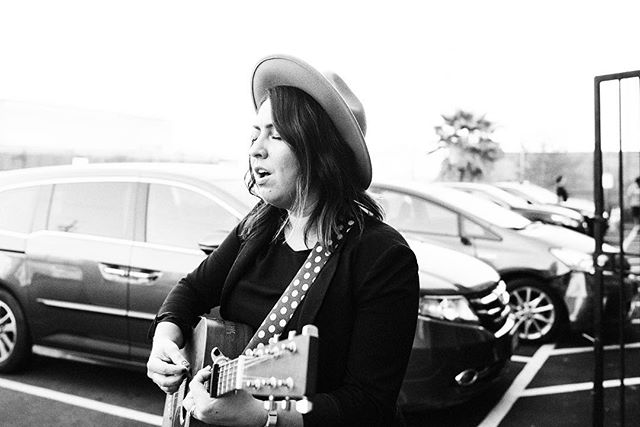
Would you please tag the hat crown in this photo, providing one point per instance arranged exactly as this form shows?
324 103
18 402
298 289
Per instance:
349 98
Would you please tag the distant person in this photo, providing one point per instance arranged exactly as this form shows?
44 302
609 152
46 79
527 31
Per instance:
561 191
632 195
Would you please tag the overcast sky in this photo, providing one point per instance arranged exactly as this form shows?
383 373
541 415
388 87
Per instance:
529 66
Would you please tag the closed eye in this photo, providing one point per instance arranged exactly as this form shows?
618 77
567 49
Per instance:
254 135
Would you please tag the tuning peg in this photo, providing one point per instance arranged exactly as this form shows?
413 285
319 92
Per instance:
270 405
304 406
310 331
274 339
286 404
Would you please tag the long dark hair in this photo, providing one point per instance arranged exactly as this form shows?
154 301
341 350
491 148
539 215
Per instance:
327 166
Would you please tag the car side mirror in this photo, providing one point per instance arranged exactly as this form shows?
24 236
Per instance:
211 242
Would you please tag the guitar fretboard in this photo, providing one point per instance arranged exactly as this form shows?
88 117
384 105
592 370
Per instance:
230 376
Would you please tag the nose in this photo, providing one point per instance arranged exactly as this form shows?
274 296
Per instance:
257 148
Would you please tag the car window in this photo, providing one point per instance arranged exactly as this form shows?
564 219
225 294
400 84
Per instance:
181 217
472 229
17 207
408 213
95 208
480 208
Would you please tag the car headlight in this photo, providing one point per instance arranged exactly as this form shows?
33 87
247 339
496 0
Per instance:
564 220
501 292
452 308
575 260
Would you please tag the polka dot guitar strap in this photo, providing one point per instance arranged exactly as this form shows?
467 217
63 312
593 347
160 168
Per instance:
283 310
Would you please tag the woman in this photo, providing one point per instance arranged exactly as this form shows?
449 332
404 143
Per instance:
310 166
561 190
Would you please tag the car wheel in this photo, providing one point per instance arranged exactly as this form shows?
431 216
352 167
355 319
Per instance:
538 312
15 342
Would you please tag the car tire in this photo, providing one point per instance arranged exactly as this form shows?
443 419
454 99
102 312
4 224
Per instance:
538 312
15 341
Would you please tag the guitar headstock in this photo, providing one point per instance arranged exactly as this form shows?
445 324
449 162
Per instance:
281 369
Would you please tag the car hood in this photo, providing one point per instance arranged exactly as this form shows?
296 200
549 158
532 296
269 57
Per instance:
445 271
586 207
560 237
557 210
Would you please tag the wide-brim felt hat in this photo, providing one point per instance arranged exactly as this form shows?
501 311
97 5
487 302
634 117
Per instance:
329 90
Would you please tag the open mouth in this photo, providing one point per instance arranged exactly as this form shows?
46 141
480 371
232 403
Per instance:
260 173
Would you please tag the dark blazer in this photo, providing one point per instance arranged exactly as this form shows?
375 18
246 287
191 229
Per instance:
364 303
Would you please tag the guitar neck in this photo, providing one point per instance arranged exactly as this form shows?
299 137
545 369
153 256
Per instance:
280 369
227 377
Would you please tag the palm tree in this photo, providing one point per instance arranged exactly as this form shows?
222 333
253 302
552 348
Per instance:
471 150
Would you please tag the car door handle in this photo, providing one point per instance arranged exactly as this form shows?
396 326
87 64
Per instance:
112 272
140 277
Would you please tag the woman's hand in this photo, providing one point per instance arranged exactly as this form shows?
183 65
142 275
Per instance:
234 409
166 365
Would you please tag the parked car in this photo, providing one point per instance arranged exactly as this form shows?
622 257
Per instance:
535 194
549 214
548 269
465 333
88 254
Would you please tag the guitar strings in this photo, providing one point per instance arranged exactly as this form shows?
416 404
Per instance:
229 371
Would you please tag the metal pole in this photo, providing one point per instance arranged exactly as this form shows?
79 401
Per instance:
622 269
598 392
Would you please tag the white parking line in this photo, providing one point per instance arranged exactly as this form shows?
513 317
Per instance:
575 350
520 359
569 388
82 402
499 411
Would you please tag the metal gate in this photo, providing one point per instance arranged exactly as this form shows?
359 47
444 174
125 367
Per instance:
599 257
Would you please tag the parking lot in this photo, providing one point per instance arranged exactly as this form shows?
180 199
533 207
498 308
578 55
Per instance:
548 385
542 385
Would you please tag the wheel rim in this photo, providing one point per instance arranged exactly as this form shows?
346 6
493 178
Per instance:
534 311
7 331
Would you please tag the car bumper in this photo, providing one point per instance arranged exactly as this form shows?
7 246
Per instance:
446 354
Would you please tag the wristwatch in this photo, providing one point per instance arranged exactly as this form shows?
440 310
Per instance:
272 418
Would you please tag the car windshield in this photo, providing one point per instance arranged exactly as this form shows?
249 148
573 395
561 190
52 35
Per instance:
508 198
481 208
537 194
495 194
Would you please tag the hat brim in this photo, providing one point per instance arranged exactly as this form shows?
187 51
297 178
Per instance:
283 70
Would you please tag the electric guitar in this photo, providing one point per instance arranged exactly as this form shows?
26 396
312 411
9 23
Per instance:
282 370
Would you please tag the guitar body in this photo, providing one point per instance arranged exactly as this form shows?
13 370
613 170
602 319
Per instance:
231 338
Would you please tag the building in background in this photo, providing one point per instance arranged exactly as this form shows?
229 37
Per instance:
40 135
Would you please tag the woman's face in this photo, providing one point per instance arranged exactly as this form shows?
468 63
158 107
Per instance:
273 163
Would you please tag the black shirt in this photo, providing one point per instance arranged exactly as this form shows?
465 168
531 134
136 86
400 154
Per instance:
263 283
